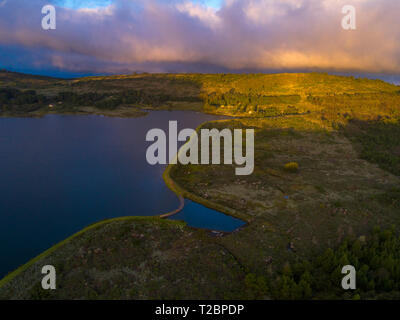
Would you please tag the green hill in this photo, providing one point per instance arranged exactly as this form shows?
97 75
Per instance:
250 95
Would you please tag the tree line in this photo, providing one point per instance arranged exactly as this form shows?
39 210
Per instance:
376 259
17 100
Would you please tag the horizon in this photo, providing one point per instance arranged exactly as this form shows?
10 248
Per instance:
393 79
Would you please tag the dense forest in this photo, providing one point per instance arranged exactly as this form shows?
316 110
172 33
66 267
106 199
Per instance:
14 100
17 100
376 259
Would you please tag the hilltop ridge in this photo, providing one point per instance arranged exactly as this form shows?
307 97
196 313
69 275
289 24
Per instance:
250 95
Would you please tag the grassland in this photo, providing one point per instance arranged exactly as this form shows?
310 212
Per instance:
343 134
295 215
252 95
134 258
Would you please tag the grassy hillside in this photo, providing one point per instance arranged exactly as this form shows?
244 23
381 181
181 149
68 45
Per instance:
250 95
134 258
326 176
295 215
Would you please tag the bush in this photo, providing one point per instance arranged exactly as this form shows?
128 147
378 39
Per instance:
375 256
291 167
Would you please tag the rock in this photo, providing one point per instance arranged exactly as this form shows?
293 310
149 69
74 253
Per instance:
362 239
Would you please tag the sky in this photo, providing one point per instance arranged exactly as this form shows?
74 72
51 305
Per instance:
78 4
125 36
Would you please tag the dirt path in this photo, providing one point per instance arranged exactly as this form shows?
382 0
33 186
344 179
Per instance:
181 206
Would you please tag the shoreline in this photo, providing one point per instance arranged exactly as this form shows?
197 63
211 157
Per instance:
177 189
172 213
116 113
180 192
10 276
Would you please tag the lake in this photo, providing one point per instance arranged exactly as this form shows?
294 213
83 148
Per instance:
59 174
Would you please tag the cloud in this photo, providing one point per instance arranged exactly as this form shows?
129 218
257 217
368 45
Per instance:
207 15
157 35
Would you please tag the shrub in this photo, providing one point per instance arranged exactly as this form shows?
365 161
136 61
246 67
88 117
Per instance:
291 167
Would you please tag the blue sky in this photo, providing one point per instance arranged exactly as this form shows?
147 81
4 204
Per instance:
77 4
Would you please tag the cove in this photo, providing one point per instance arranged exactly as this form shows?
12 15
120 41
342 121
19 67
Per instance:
59 174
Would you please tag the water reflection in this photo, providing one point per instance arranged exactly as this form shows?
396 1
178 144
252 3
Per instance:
59 174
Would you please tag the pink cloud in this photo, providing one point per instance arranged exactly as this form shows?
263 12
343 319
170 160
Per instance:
243 34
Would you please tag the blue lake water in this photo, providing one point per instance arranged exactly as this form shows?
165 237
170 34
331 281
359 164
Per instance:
59 174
